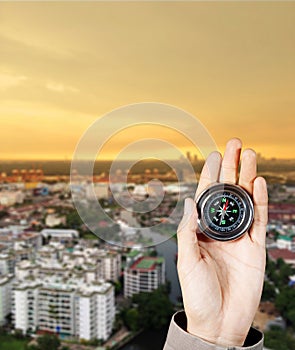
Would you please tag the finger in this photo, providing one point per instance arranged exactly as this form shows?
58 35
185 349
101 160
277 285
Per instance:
230 162
260 199
188 248
210 172
248 170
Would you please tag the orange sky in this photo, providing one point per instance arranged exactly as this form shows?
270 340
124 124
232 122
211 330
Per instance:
63 64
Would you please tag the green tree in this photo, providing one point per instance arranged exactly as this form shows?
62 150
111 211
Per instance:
131 319
285 303
31 347
155 308
48 342
278 339
268 293
291 316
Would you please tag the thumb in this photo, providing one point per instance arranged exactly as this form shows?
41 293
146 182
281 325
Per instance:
188 247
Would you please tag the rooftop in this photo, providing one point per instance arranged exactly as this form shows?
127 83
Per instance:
133 253
286 238
6 278
147 263
281 253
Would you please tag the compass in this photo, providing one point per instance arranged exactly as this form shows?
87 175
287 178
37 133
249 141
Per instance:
225 211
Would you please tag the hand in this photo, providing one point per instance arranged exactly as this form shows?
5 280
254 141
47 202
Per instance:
222 282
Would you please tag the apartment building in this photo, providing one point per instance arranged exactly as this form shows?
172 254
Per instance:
95 312
5 297
56 308
69 307
24 306
111 266
60 235
144 275
7 263
106 263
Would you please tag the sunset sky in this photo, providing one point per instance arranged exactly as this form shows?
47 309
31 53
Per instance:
64 64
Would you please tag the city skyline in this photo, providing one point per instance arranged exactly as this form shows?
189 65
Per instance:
64 65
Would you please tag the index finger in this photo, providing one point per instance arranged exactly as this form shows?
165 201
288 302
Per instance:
210 172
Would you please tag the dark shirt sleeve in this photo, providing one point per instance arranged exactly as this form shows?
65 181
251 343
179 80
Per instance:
179 339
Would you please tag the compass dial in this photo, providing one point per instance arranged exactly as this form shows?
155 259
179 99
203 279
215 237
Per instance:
225 211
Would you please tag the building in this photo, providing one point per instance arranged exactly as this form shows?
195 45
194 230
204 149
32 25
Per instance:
17 236
286 242
5 297
60 235
25 305
95 311
111 266
9 198
285 254
7 263
284 212
54 220
144 275
98 190
56 308
96 263
68 307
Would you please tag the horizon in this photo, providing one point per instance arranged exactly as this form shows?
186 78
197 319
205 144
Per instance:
128 159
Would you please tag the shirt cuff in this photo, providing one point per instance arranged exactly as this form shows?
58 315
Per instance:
179 339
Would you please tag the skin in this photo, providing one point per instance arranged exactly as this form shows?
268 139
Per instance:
222 282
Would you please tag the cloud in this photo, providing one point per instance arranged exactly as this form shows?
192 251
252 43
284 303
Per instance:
59 87
8 81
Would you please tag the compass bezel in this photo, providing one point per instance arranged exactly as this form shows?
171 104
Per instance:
246 221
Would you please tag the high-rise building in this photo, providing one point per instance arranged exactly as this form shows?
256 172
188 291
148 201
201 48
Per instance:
95 312
144 275
25 305
188 156
68 307
5 297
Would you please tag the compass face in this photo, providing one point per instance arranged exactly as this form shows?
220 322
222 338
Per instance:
225 212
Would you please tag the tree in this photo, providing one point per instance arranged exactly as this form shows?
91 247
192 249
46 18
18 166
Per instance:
131 318
285 303
269 292
48 342
155 308
278 339
31 347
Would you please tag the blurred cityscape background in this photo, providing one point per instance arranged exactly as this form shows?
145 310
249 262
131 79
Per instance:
59 279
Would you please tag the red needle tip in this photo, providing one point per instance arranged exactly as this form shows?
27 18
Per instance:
225 205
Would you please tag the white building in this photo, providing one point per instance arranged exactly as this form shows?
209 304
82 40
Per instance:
25 305
95 311
9 198
144 275
98 190
26 269
60 235
111 266
107 263
68 307
56 307
286 242
7 263
54 220
16 236
5 297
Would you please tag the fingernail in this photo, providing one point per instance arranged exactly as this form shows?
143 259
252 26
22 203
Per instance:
188 206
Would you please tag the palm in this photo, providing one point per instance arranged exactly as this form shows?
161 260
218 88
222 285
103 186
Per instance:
222 287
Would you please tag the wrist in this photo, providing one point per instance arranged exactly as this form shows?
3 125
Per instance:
216 336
